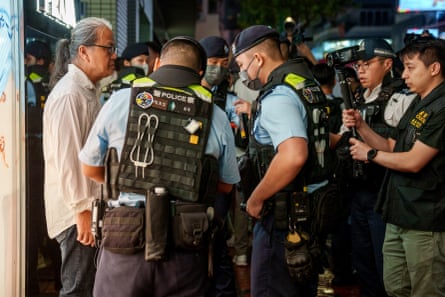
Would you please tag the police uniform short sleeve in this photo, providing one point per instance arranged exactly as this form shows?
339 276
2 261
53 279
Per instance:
221 145
283 116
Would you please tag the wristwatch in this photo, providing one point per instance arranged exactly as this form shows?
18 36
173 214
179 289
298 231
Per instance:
371 154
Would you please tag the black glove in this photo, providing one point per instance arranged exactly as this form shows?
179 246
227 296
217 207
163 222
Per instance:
299 260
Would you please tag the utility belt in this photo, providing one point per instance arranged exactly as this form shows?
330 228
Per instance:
162 225
317 212
306 217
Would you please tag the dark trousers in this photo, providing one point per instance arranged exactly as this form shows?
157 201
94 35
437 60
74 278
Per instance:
119 275
222 284
269 273
78 269
368 233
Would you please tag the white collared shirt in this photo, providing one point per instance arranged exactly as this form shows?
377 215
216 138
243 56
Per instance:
69 113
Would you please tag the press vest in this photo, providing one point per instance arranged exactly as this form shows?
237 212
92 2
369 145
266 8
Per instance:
166 136
416 200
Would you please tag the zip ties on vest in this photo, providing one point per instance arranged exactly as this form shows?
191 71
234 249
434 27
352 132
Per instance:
146 131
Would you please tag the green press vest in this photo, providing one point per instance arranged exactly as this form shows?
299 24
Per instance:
416 200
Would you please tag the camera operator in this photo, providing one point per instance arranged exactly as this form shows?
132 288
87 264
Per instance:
297 45
382 102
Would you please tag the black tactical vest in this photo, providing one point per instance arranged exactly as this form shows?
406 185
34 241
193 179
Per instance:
124 79
320 163
373 114
166 136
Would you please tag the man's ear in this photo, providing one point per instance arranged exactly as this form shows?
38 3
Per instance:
157 64
259 57
82 53
435 69
126 63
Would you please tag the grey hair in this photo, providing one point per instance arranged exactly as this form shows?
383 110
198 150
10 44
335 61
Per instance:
85 32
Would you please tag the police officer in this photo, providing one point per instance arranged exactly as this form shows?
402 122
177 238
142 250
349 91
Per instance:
154 49
412 196
325 75
134 64
180 66
37 60
280 133
216 79
382 102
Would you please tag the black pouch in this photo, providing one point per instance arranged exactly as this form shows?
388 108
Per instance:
157 216
298 260
123 230
190 225
327 209
249 175
280 211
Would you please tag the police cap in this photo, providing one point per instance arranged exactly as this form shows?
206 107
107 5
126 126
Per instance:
39 50
251 37
135 50
215 46
375 47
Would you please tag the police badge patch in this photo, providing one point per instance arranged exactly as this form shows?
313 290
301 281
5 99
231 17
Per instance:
144 100
308 95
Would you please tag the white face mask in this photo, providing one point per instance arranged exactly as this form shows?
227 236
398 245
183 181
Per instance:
143 67
253 84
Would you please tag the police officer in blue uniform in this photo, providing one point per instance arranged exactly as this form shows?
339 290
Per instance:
134 64
216 76
182 272
281 137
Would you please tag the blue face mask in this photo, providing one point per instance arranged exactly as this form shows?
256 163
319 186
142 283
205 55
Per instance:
253 84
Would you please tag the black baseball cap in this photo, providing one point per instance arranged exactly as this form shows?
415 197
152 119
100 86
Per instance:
39 50
251 37
135 50
375 47
215 46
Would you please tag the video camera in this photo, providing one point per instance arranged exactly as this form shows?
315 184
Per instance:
338 59
343 56
413 37
291 27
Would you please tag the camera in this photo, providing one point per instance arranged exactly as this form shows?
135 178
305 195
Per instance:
412 37
343 56
298 37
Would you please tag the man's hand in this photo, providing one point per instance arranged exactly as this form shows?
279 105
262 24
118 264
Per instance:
242 106
254 207
83 223
359 150
352 118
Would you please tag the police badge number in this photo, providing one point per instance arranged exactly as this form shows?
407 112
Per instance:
144 100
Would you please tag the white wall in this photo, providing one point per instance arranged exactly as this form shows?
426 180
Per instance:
11 155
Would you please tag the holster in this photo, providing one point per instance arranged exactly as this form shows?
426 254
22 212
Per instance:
157 214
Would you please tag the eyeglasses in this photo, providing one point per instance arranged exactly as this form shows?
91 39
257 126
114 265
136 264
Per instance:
365 65
110 49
